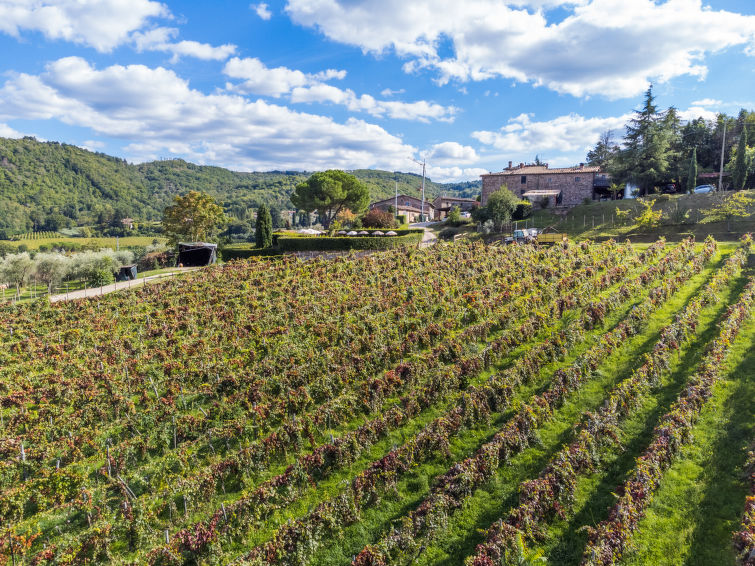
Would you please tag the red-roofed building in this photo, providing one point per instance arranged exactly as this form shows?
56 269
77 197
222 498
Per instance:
563 187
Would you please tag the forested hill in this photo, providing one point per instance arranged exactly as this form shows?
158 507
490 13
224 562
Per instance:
49 185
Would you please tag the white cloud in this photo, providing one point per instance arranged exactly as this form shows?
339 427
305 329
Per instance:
262 80
448 153
102 24
160 39
609 47
262 10
7 132
158 108
94 145
694 112
707 102
454 174
386 92
564 134
421 111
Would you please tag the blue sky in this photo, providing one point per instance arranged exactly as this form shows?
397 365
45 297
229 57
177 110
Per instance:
318 84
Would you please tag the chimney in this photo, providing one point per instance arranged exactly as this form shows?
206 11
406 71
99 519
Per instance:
546 165
509 164
581 165
521 165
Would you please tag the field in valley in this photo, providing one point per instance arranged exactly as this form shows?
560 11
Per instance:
462 404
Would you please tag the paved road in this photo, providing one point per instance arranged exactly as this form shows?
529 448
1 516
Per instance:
98 291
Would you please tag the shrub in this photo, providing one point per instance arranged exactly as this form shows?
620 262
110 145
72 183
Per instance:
447 233
454 216
155 260
377 218
244 251
523 210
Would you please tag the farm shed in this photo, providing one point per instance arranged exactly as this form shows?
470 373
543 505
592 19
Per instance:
126 273
197 254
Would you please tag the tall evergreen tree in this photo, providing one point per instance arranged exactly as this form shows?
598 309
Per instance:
692 173
740 165
644 159
263 233
604 151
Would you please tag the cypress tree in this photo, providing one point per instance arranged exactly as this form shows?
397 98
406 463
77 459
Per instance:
263 233
740 164
692 174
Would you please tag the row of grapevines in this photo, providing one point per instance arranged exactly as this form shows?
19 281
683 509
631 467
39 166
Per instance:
305 533
608 540
553 492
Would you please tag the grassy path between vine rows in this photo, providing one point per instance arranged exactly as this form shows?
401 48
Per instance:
494 501
485 505
701 498
565 540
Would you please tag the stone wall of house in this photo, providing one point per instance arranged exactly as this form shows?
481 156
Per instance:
574 186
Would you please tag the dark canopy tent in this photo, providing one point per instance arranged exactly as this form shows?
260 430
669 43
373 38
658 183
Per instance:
126 273
197 254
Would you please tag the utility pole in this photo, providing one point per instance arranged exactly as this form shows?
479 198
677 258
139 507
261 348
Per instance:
423 163
721 170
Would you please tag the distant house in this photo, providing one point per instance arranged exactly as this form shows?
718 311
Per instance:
406 205
444 204
563 187
128 223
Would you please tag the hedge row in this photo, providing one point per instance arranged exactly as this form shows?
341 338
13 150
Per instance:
244 251
328 243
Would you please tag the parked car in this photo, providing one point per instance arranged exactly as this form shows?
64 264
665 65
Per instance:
702 189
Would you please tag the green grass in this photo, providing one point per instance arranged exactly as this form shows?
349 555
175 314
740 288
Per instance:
565 540
701 499
33 292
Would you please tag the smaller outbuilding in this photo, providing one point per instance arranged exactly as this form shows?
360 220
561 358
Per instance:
126 273
197 254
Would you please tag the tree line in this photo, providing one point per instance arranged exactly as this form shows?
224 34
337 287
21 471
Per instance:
660 149
49 186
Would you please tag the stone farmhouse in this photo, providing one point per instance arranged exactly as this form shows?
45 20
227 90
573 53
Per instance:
444 204
409 206
436 209
563 187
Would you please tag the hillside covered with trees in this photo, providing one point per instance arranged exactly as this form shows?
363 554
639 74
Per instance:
50 186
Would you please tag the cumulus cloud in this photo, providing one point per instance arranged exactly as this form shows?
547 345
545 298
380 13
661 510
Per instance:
707 102
262 11
262 80
448 153
608 47
160 110
564 134
694 112
421 111
7 132
101 24
454 174
161 39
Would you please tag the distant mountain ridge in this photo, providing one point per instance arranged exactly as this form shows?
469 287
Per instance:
51 185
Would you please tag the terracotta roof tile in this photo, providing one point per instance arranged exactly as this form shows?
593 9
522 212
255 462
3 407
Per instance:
540 169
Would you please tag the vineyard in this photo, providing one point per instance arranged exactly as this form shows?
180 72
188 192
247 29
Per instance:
462 404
